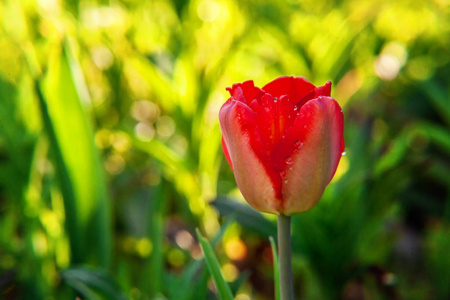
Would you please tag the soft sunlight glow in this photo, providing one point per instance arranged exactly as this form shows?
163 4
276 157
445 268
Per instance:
390 61
102 57
242 297
236 249
387 66
144 247
143 110
184 239
230 272
144 132
208 10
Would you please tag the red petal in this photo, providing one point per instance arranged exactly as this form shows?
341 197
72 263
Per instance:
273 117
324 90
245 92
309 155
294 87
259 183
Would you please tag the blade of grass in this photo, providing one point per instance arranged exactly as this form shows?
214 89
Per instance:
89 282
77 161
214 269
185 290
276 268
152 277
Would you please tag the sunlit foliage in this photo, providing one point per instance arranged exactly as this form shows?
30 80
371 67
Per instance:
110 151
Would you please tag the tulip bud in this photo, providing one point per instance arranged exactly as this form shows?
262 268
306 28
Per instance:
283 142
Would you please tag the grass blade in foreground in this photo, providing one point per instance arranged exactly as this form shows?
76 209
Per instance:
276 268
214 269
92 283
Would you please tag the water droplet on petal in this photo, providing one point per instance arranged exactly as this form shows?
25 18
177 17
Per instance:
320 97
298 144
282 173
275 100
290 168
286 181
266 109
342 110
295 107
289 160
344 153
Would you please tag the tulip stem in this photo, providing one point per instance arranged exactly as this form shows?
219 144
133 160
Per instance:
284 249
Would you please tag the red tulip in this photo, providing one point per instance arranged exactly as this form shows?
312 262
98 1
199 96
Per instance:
283 142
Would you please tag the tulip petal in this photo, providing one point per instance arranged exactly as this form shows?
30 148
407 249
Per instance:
309 154
324 90
273 117
245 92
255 176
294 87
226 153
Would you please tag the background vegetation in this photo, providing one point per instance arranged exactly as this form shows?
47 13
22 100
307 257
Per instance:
110 151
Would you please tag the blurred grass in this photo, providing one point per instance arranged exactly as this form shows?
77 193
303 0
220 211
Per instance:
110 147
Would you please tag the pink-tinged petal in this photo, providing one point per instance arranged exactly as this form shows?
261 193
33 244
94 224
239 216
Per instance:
309 155
294 87
245 92
258 182
226 153
324 90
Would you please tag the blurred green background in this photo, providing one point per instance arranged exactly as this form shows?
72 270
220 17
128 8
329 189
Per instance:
110 147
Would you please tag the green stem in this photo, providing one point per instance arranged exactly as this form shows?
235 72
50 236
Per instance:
284 245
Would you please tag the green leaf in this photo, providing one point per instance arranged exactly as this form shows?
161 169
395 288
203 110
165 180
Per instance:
276 268
61 96
214 269
92 283
245 215
439 98
438 135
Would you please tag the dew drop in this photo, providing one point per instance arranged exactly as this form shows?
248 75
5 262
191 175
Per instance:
295 107
286 181
266 109
275 100
290 168
283 136
320 97
342 110
344 153
298 144
289 160
282 173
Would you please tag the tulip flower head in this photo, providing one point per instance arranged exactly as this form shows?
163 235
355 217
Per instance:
283 142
